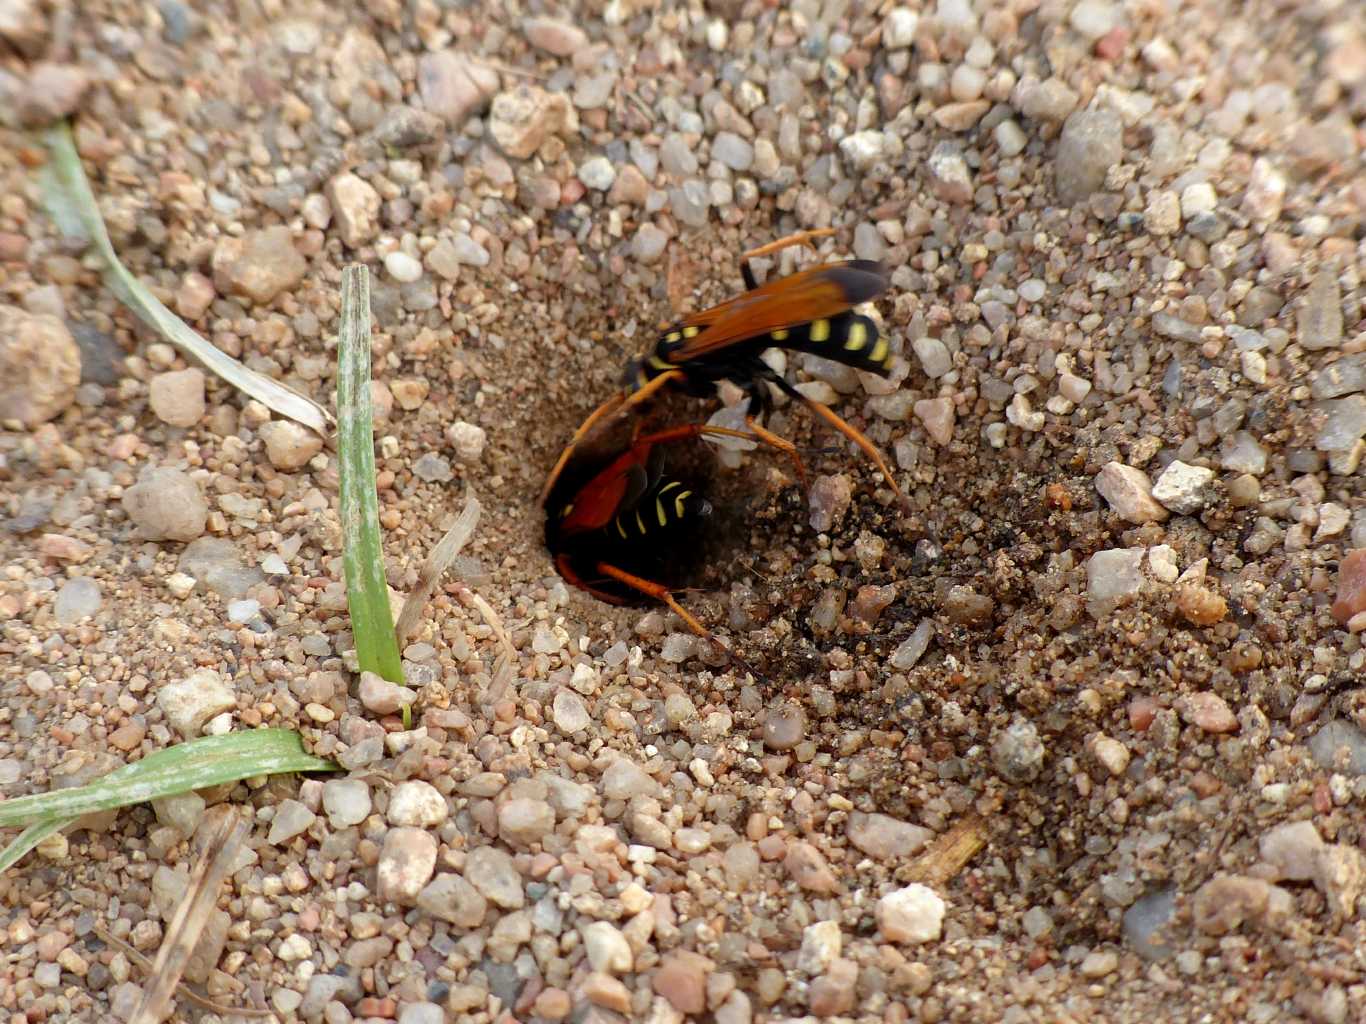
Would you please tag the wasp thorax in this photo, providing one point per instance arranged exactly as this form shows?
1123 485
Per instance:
635 377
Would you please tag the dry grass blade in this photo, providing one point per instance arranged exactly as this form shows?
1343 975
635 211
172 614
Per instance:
182 990
72 205
949 854
190 918
504 666
436 565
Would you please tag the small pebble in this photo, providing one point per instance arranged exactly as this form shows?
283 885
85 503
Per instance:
492 872
681 979
289 445
569 712
1227 902
451 898
346 802
355 207
1099 964
937 415
166 504
258 265
554 37
597 173
784 727
402 267
607 949
406 862
1183 489
809 869
453 86
1200 606
189 703
521 119
909 652
77 599
177 397
417 803
1319 320
383 697
647 245
1351 593
291 819
885 838
1091 143
1292 849
1129 493
1018 752
524 821
1209 712
913 915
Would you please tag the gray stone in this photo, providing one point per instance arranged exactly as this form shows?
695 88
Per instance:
1319 321
1145 920
492 872
733 151
1018 753
453 86
1339 735
1092 142
452 898
77 599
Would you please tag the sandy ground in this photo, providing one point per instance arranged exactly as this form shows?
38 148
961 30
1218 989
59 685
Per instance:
1125 243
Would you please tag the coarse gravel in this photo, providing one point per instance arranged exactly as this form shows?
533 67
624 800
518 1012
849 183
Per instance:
1120 632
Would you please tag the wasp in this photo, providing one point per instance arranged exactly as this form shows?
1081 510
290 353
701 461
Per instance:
615 528
809 311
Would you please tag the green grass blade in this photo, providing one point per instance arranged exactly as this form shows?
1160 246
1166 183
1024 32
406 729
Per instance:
210 761
71 204
27 840
367 595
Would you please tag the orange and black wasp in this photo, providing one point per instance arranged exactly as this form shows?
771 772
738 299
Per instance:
809 311
615 527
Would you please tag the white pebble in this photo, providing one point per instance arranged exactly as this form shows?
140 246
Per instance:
402 267
1198 198
417 803
467 439
1011 141
913 915
898 28
597 172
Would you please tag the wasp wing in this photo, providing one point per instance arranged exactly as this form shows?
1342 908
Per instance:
813 294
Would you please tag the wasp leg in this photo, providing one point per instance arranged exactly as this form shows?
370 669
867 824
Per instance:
755 433
798 238
851 432
614 406
783 445
662 594
860 439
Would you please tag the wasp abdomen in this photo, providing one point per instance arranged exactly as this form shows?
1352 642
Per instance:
849 338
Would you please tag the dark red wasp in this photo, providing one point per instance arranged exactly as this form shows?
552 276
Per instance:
616 528
809 311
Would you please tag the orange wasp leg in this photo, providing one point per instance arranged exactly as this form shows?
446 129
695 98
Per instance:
757 433
665 596
614 406
786 242
782 444
858 437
